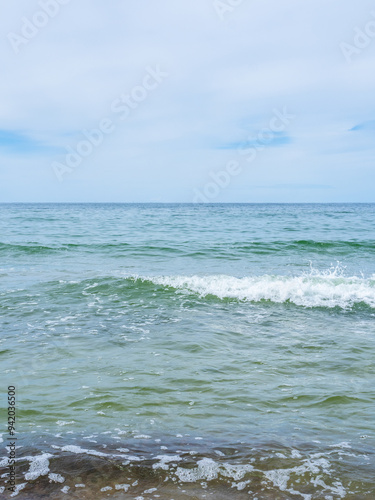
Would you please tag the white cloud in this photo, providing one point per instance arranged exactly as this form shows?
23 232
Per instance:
225 78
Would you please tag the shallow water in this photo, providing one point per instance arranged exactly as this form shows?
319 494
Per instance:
235 341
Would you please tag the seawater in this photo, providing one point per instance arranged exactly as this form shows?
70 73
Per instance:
189 351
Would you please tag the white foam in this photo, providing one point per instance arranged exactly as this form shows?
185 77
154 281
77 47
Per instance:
316 289
19 487
241 485
296 454
165 460
343 444
106 488
124 487
281 477
337 488
65 489
39 467
61 423
237 472
131 458
55 478
207 469
151 490
77 449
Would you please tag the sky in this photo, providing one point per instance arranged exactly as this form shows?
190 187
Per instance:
195 101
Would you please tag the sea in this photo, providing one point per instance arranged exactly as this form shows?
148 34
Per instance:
187 351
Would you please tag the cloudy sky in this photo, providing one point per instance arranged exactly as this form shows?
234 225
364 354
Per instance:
172 101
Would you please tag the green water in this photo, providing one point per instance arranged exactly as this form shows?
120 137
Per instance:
182 329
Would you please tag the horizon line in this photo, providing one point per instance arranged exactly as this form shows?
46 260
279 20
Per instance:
186 203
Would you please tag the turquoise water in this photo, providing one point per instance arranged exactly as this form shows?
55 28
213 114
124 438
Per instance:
228 348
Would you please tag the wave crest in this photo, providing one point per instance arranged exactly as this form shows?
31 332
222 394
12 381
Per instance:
330 289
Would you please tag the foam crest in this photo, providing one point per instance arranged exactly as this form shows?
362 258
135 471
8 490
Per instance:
329 289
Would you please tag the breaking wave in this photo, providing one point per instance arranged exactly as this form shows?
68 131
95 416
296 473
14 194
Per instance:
328 289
